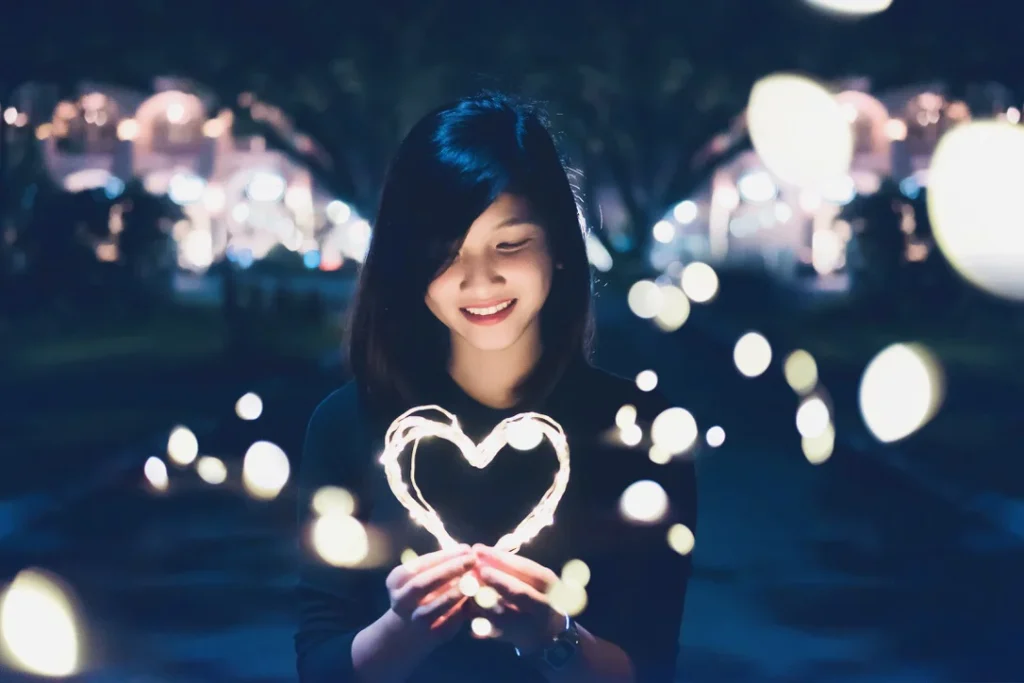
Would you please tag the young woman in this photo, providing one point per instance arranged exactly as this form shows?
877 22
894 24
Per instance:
476 296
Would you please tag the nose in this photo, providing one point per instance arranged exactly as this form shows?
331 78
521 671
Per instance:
478 276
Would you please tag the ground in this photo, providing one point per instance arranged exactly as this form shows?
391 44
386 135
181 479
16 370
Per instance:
846 571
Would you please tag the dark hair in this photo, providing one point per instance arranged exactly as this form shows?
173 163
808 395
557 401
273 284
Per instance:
450 167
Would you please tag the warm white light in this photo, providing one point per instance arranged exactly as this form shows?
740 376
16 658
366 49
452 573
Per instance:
799 130
212 470
801 371
851 7
340 540
664 232
675 309
265 187
685 212
975 204
249 406
757 187
699 282
182 446
644 501
265 470
412 426
631 434
681 539
646 380
674 431
645 299
481 627
715 436
812 417
38 629
333 500
338 211
625 416
752 354
900 391
156 473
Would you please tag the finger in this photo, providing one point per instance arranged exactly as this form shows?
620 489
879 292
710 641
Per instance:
422 584
430 560
453 618
441 590
429 612
405 571
518 593
537 575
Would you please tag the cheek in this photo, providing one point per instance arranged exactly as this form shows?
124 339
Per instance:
441 294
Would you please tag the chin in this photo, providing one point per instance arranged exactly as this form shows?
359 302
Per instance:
491 340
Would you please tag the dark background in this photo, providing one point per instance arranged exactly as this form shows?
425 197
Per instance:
887 562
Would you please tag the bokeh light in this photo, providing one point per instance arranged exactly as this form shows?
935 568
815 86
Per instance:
625 416
156 473
812 417
681 539
567 597
481 627
334 499
524 435
674 431
752 354
646 380
715 436
674 311
818 449
265 470
799 130
900 391
631 434
212 470
644 501
801 371
699 282
249 406
39 627
341 540
975 204
645 299
182 446
576 571
851 7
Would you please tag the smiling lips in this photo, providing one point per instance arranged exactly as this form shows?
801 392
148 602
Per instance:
490 314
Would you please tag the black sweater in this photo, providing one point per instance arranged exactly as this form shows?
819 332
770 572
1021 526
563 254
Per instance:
637 586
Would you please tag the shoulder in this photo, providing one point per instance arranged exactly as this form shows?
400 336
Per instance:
338 426
342 406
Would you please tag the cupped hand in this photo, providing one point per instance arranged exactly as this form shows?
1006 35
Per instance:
425 592
523 616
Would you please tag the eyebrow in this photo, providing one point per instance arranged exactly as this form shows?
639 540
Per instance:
514 221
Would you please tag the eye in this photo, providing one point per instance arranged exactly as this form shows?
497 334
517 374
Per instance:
513 246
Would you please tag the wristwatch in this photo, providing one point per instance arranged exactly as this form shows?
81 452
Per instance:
560 650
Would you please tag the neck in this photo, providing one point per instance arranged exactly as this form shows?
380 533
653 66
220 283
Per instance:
491 377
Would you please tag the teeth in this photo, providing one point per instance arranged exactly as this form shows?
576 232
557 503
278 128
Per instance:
490 310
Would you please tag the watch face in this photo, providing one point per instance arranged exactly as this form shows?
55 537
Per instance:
559 654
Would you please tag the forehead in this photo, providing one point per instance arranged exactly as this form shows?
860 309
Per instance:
507 210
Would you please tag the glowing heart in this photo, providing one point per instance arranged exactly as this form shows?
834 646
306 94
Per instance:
523 431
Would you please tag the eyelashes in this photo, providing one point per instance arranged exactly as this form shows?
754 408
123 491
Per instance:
513 246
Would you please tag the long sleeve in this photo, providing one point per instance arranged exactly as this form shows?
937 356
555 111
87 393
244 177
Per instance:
334 603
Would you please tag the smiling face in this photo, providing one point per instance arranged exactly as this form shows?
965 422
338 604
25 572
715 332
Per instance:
491 296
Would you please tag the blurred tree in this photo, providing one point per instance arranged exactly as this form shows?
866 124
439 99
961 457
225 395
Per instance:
144 243
650 95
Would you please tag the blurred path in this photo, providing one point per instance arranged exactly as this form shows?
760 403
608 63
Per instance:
839 572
